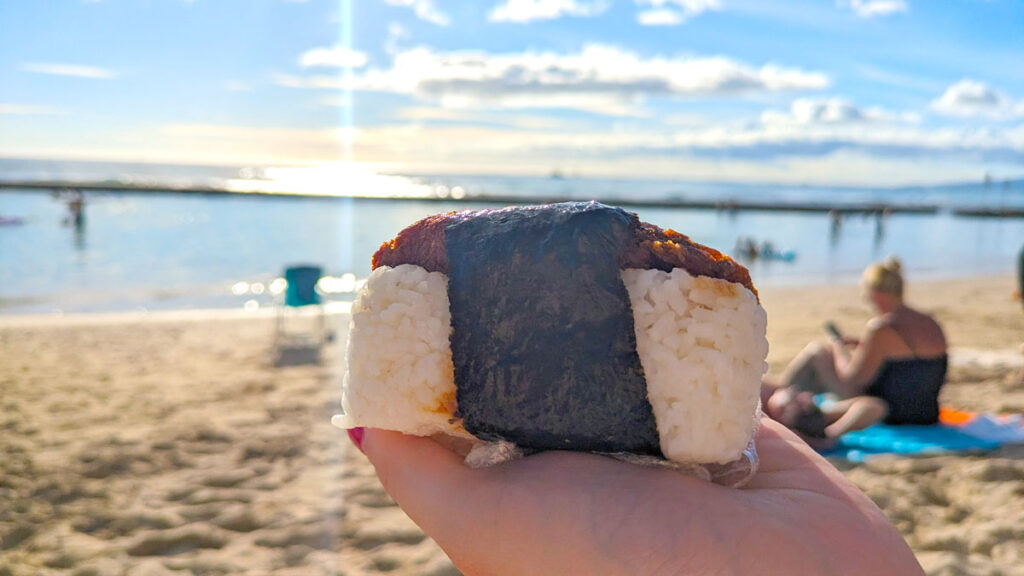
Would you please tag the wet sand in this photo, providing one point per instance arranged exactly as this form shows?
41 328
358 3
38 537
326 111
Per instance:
165 446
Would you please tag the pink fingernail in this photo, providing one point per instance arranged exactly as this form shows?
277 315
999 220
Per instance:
356 436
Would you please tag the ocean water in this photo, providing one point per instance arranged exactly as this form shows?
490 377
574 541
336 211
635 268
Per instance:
181 251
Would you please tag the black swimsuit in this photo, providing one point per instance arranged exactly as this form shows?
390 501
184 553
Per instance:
910 387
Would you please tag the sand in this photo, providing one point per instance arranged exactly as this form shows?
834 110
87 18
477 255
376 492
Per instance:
172 445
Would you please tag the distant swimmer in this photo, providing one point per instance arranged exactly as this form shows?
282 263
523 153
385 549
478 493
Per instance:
1020 275
76 209
749 250
746 248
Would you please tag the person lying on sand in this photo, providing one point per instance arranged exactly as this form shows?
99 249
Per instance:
892 374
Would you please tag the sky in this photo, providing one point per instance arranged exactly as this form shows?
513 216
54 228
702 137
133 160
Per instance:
846 92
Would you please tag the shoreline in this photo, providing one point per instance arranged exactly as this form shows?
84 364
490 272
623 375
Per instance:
843 280
970 353
13 321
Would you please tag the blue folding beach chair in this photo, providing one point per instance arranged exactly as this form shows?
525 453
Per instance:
299 295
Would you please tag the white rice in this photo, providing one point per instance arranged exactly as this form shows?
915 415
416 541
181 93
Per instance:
400 374
702 345
701 342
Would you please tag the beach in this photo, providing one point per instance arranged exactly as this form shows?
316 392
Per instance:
165 444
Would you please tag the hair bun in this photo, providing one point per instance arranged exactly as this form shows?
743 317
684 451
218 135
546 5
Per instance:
893 264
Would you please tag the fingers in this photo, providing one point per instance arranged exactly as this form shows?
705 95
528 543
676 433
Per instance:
778 444
429 482
781 450
787 462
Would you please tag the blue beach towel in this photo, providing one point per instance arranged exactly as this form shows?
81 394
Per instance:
885 439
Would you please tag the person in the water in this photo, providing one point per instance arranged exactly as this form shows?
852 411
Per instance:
892 374
76 209
1020 275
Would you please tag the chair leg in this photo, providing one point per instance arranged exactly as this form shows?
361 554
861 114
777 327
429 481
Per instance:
323 325
278 328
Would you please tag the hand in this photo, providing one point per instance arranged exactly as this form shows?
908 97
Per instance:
850 341
574 513
840 351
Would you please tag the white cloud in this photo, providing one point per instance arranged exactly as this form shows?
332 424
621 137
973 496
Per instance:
769 140
598 78
425 10
826 111
72 70
603 104
822 154
831 111
855 153
518 120
970 99
824 127
27 110
250 143
343 101
318 82
872 8
810 129
659 17
396 34
673 12
851 153
236 86
522 11
332 57
883 76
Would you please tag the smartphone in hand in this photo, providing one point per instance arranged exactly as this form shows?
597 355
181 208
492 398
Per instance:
830 327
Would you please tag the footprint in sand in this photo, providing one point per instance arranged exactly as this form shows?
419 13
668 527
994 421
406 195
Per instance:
999 471
383 527
239 518
103 523
315 536
209 495
178 540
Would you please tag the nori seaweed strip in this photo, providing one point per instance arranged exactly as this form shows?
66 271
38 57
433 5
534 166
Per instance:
542 330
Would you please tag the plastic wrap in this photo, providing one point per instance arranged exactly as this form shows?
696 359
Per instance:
734 474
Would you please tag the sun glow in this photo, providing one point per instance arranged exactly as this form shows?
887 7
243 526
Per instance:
335 179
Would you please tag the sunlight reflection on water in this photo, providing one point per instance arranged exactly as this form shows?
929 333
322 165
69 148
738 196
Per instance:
340 179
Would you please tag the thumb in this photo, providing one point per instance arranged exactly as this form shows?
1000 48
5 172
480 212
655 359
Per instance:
431 484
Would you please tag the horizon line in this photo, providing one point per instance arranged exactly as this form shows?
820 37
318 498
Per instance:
554 172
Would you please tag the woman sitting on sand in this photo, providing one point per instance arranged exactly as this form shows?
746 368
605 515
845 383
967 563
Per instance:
893 374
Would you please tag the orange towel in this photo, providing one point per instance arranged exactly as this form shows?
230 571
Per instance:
954 417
